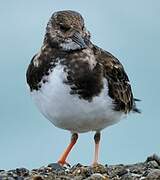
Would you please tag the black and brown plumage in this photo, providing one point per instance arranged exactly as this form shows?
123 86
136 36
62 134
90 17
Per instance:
76 85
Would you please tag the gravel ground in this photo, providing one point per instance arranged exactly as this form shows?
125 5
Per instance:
148 170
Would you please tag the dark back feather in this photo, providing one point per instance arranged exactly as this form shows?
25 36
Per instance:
119 87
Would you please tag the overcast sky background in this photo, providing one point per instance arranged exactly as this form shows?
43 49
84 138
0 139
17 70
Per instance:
128 29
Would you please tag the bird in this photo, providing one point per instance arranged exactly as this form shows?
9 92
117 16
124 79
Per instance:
77 85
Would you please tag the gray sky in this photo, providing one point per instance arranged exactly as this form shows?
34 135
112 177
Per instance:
128 29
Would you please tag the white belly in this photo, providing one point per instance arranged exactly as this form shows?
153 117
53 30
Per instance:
68 111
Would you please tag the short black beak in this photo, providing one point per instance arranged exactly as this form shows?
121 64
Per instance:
77 38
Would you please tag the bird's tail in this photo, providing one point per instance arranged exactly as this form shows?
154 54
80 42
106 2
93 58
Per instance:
135 109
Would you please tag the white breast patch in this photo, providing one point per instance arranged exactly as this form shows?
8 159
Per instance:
68 112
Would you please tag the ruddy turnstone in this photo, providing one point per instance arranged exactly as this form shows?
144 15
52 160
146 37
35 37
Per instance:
78 86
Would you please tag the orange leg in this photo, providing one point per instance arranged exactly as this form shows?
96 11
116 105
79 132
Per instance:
64 156
96 153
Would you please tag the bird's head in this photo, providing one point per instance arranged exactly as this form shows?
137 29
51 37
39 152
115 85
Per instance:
66 31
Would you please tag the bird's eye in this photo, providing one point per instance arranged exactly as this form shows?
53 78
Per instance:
64 28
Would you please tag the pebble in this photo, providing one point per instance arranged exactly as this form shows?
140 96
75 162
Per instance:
97 176
152 164
154 175
56 167
154 157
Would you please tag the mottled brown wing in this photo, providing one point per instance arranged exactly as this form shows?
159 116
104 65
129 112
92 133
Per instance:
119 87
40 65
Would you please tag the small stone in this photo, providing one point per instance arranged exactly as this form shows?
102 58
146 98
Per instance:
83 171
122 172
152 164
37 178
9 178
19 178
137 168
154 157
145 173
56 167
22 172
116 170
154 175
129 176
63 178
98 168
97 176
77 165
78 177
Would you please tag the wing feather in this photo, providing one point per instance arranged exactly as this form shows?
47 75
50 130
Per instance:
118 82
